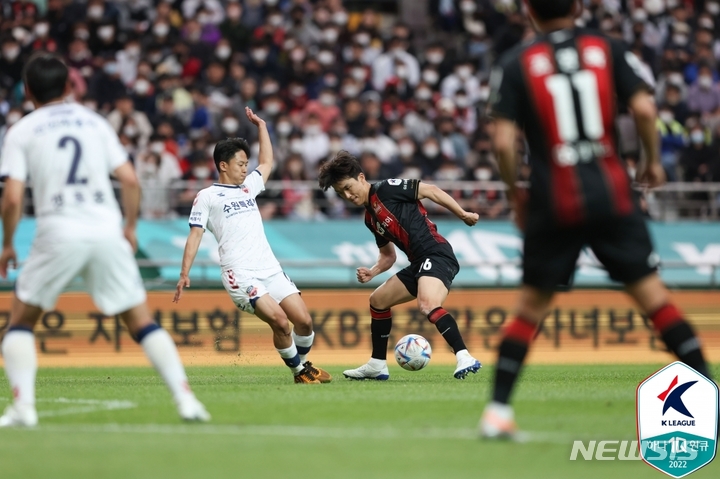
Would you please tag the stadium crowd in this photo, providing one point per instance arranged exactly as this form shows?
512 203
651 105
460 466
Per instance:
173 77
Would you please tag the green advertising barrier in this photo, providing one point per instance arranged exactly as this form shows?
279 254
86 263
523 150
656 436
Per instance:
325 254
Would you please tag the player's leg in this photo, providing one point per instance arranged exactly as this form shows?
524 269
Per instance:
18 350
654 300
549 258
399 289
302 333
626 251
49 268
432 292
114 282
267 309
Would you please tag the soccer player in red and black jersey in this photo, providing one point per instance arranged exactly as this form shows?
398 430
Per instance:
562 89
395 215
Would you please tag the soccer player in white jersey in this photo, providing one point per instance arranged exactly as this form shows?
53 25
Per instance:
69 153
250 272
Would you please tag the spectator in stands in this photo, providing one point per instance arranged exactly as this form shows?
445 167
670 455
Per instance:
135 124
673 140
704 94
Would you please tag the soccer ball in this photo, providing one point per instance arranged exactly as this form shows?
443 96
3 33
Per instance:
413 352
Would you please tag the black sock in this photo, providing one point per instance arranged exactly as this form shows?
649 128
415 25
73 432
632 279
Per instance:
681 340
510 360
380 326
445 323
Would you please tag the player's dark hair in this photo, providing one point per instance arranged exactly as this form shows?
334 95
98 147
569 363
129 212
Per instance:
342 167
226 149
551 9
45 76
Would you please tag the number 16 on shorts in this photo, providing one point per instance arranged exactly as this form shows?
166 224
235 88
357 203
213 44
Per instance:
426 266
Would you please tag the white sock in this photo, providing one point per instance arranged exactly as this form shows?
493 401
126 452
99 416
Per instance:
162 353
18 350
462 353
291 358
377 363
303 344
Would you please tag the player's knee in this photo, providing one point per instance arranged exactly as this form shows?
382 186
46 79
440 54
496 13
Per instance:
378 303
427 306
280 324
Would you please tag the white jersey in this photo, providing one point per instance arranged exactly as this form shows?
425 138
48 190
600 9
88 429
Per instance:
231 214
67 152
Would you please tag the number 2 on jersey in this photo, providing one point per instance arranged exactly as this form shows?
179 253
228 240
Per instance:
561 89
77 153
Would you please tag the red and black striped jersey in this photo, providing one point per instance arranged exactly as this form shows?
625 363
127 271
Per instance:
563 90
394 214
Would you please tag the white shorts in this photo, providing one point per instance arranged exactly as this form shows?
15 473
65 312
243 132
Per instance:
245 289
107 267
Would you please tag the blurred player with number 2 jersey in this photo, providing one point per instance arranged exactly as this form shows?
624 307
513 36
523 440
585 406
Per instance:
395 215
69 152
562 89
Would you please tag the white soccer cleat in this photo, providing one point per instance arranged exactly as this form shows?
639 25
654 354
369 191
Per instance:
368 371
498 422
19 415
191 409
466 364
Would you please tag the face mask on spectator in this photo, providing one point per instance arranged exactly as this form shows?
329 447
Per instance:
142 86
133 51
706 23
105 32
423 93
607 25
401 71
297 91
223 52
12 118
273 108
204 19
468 6
161 29
95 11
475 28
705 82
713 8
330 35
358 74
41 29
462 101
275 20
229 125
201 172
340 18
639 15
296 146
430 76
680 39
155 58
297 55
82 34
464 72
654 7
483 93
270 88
271 3
110 68
130 131
284 128
412 173
482 174
363 39
435 57
330 80
20 34
327 99
313 130
407 149
12 52
449 174
431 150
697 137
157 147
259 54
326 57
666 116
350 91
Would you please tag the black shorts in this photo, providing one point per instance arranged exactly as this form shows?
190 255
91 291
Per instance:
438 264
622 244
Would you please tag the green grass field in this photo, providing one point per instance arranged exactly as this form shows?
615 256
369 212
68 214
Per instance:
120 423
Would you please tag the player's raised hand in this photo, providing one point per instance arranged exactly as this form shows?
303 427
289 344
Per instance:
470 219
653 176
7 258
364 275
183 283
256 120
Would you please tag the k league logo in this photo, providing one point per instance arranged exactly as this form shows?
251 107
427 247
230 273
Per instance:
677 420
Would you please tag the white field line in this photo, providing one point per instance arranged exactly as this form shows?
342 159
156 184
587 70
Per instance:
298 431
83 406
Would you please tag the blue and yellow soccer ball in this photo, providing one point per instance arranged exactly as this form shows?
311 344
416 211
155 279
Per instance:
413 352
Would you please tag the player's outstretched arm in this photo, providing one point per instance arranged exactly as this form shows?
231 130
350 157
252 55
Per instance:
385 261
191 248
130 198
436 195
642 106
11 211
265 156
